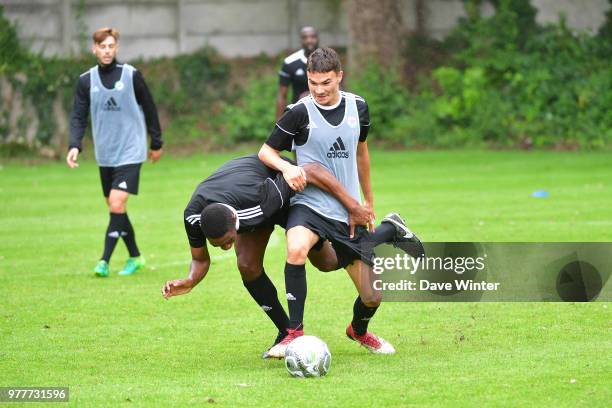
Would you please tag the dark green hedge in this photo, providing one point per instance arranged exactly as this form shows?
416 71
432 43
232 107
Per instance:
501 82
505 82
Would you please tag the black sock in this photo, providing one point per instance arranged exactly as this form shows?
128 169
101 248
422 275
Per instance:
384 233
361 316
113 231
264 292
129 237
295 286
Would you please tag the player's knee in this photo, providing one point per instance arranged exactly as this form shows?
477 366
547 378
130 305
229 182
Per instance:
296 253
116 205
248 271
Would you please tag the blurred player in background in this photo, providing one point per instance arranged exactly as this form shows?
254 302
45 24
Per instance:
122 112
293 71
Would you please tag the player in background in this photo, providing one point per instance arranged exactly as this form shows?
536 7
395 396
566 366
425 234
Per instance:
239 205
293 71
122 112
330 127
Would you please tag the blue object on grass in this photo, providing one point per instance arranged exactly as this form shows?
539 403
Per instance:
540 194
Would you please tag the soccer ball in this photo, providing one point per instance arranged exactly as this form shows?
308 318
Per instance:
307 356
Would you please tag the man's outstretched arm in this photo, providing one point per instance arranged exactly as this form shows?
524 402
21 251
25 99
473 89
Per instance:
200 263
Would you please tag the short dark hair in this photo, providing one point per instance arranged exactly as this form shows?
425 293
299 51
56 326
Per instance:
308 29
324 60
215 220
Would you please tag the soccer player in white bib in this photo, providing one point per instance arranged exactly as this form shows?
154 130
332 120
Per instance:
330 127
122 113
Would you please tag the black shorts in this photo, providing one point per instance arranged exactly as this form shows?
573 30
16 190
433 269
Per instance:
336 232
124 178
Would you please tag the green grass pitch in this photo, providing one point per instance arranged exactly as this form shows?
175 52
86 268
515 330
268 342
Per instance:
116 341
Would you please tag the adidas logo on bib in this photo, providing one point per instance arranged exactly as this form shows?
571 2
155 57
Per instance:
111 105
337 150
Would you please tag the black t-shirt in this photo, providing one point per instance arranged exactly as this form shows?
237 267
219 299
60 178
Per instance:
238 183
292 127
293 72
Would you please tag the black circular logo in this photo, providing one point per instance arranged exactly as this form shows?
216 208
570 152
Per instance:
578 281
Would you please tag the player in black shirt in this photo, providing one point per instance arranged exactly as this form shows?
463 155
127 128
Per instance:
293 71
239 204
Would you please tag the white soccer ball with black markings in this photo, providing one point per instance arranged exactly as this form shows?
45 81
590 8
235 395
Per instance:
307 356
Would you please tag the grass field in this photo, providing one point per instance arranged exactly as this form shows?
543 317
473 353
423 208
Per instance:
116 341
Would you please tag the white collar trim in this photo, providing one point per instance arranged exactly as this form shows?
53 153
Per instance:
334 106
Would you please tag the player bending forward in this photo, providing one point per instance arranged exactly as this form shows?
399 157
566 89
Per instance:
239 205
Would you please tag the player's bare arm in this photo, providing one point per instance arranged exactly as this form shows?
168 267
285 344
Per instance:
294 175
363 170
200 263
